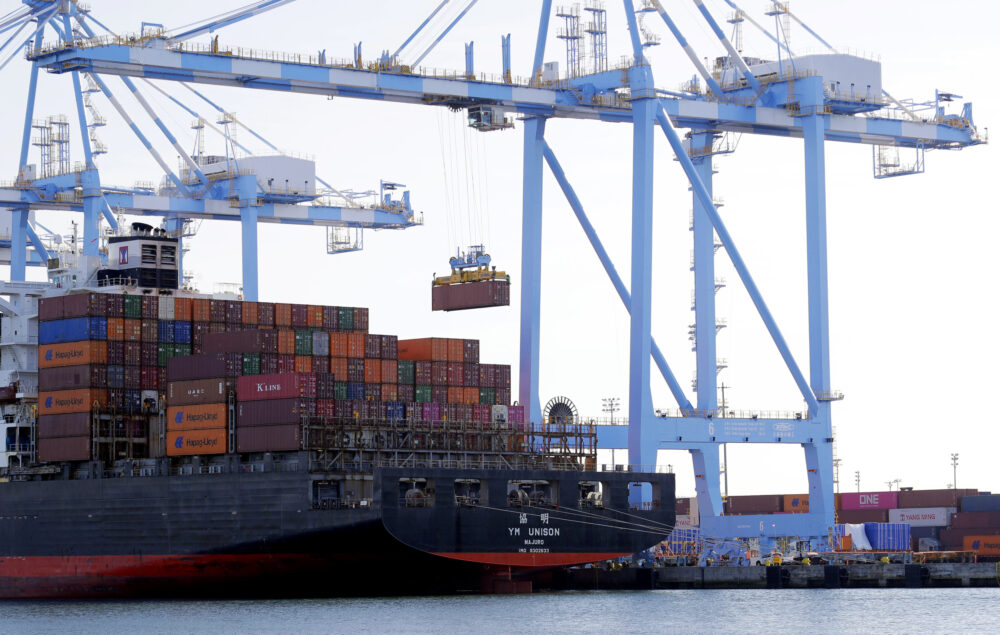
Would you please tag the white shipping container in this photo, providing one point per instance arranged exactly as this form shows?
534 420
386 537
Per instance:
166 307
684 520
923 516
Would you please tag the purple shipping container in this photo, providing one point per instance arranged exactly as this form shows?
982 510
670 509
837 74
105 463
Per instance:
390 347
373 346
325 383
133 354
431 412
406 392
300 316
356 370
234 312
503 376
373 392
149 354
456 374
487 375
256 341
195 367
888 536
439 374
269 438
869 500
64 449
515 414
470 295
470 372
360 319
270 412
72 377
439 394
116 305
502 396
471 352
422 373
150 307
329 318
76 424
116 352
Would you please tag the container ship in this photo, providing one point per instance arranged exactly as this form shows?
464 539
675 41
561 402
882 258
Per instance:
159 442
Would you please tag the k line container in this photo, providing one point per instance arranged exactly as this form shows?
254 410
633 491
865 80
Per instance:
190 442
196 391
64 449
279 386
72 354
923 516
68 401
197 417
269 438
869 500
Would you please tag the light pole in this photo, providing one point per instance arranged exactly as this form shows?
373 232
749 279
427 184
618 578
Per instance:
610 406
954 473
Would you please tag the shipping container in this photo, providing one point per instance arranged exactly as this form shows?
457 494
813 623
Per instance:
471 352
149 353
456 350
470 374
869 500
972 520
428 349
389 392
303 342
255 341
282 314
981 503
338 345
861 516
132 307
329 318
265 313
150 378
390 347
234 312
982 545
165 331
923 516
72 354
758 504
116 329
389 371
76 424
953 539
269 412
356 370
217 311
888 536
195 367
487 396
206 416
249 312
73 377
456 374
67 401
303 363
439 394
64 449
182 332
515 414
150 307
197 391
470 396
502 396
405 372
72 330
149 330
373 346
470 295
360 319
269 438
933 497
439 373
116 305
373 371
191 442
133 354
320 344
116 376
50 309
356 345
455 394
300 316
166 309
201 310
422 394
431 411
164 352
795 503
182 309
278 386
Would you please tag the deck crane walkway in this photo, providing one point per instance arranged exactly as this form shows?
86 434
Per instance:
801 102
234 189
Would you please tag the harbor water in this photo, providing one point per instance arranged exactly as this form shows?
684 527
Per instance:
723 611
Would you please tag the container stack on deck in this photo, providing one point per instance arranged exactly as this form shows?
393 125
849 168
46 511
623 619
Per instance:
104 357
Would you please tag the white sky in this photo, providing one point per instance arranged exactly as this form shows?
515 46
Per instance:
912 295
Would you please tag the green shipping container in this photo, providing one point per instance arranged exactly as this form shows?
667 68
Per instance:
405 372
340 390
251 363
165 352
182 350
133 306
487 396
422 394
345 318
303 342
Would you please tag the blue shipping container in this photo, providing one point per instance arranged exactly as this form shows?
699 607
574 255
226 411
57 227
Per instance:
73 330
981 503
116 376
166 332
888 536
686 541
356 390
394 410
182 332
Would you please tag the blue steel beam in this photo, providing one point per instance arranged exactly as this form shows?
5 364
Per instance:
421 27
543 29
733 53
704 282
231 18
448 29
712 84
609 268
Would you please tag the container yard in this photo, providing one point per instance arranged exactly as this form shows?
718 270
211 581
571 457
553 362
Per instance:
166 440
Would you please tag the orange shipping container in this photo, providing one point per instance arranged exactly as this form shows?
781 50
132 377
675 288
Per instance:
356 345
209 416
132 330
796 503
456 394
846 544
116 329
471 396
282 314
249 312
456 350
286 342
67 401
389 392
373 371
314 316
303 363
427 349
338 345
982 545
200 310
338 367
182 309
188 442
72 354
389 376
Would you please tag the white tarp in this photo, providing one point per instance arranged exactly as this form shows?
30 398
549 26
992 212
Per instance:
859 541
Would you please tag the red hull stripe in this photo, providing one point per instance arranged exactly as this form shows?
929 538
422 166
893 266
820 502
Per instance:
532 559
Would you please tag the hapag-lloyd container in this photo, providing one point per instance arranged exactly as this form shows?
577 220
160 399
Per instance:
796 503
278 386
66 401
869 500
923 516
196 391
982 545
196 417
188 442
72 354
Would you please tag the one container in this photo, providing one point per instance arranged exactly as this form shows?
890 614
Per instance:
76 424
67 401
982 545
278 386
72 354
196 391
269 438
923 516
869 500
73 377
64 449
189 442
271 412
197 417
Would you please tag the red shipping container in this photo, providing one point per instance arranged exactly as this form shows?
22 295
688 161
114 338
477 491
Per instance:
300 316
255 341
64 449
150 307
286 363
360 319
195 367
390 347
314 316
456 374
269 438
271 412
952 539
439 394
456 394
325 408
422 373
303 363
201 310
373 371
428 349
482 413
338 368
503 375
356 345
51 308
373 392
759 504
389 372
286 341
439 374
161 376
515 414
330 318
405 392
869 500
470 375
470 295
116 329
249 312
132 330
265 313
76 424
279 386
73 377
933 497
182 309
389 392
150 378
857 516
268 363
975 520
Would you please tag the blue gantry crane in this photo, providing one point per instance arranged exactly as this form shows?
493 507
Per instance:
273 188
819 98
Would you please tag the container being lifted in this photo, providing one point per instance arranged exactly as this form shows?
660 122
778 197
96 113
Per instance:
473 284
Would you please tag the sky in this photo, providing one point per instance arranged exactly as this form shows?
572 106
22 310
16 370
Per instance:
911 273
